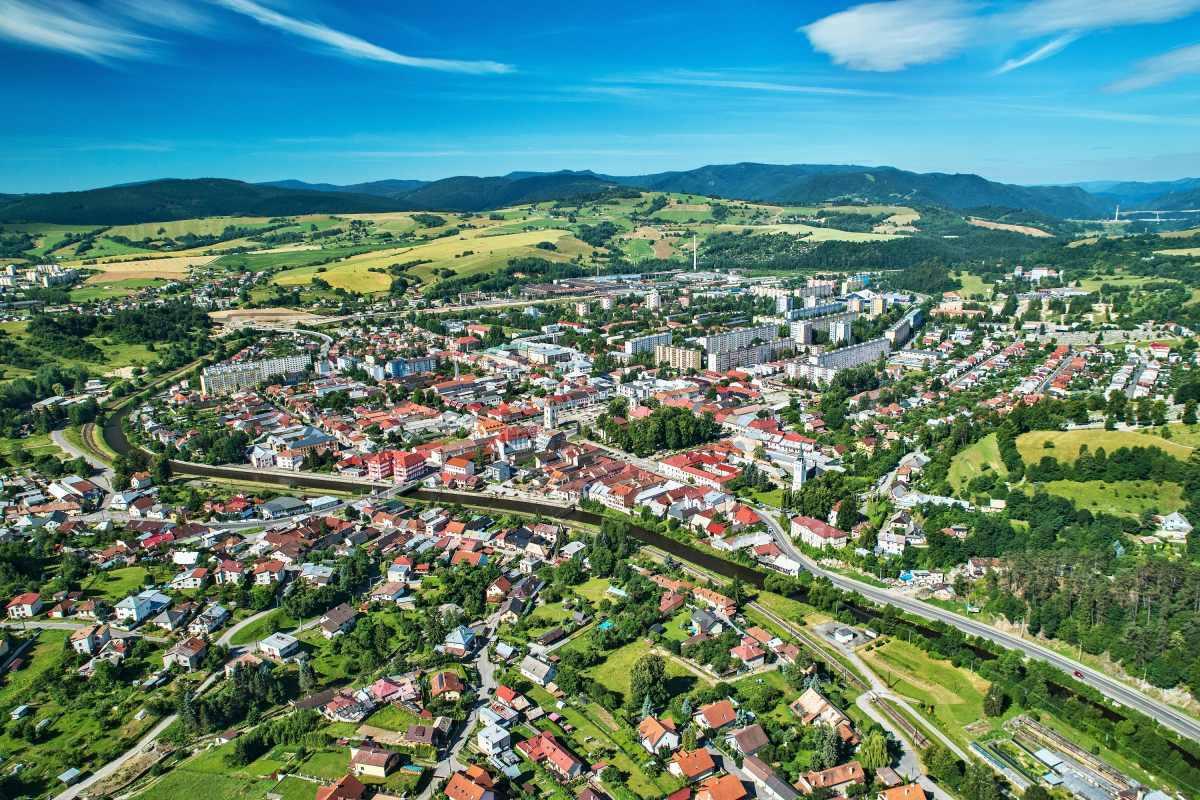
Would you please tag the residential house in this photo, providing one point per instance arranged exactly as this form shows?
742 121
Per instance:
656 735
279 646
459 642
538 671
721 787
548 751
768 785
24 606
835 779
188 654
473 783
347 787
446 685
715 716
692 765
367 758
337 620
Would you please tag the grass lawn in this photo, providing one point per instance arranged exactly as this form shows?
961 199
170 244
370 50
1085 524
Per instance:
1123 498
393 718
256 631
1066 444
973 285
328 764
614 672
37 445
593 590
549 615
955 695
117 584
975 460
1188 435
294 789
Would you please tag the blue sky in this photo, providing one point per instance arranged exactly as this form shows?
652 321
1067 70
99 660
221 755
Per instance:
1028 91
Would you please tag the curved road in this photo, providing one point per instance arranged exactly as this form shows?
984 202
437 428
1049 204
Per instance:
1114 690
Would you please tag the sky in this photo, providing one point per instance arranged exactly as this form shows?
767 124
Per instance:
342 91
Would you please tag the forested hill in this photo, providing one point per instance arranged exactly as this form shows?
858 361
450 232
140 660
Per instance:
172 199
814 183
793 184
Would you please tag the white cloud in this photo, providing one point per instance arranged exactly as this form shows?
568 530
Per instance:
353 46
889 36
70 28
1041 17
894 35
1050 48
741 81
1161 69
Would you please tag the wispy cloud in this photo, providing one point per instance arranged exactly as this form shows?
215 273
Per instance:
1161 69
896 34
890 36
1050 48
352 46
69 27
1041 17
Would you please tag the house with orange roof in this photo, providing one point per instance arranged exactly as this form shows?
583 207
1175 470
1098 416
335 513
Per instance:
721 787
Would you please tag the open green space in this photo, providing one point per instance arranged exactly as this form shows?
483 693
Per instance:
971 462
952 696
1065 445
277 620
1122 498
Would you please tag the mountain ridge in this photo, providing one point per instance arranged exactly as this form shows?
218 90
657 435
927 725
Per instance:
778 184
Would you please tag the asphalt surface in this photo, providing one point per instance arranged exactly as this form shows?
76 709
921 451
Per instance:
1114 690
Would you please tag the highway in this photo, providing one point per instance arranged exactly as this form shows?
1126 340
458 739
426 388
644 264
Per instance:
1112 689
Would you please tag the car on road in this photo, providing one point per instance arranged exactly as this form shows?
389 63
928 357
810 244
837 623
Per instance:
1078 674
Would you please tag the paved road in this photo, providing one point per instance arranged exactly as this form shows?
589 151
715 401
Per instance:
1164 714
449 763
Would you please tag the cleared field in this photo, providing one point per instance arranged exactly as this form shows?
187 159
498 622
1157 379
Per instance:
1120 498
259 316
979 458
1180 251
200 226
1094 283
473 252
111 289
1066 444
973 284
1028 230
954 695
147 268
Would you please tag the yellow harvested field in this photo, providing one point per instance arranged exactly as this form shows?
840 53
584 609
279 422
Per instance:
457 253
1180 251
1028 230
170 267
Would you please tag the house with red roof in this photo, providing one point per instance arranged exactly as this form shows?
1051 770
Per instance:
818 533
